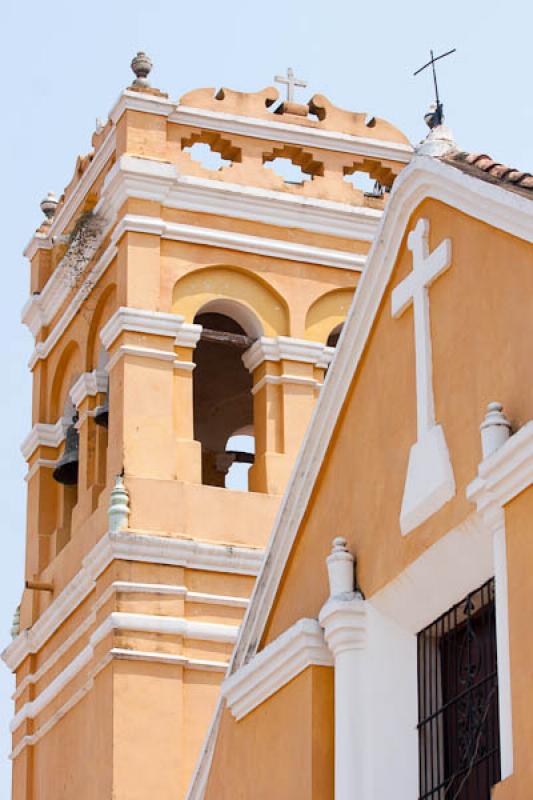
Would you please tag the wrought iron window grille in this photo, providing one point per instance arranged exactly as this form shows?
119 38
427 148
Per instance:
458 729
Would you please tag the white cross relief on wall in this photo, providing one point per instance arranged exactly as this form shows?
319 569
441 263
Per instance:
430 482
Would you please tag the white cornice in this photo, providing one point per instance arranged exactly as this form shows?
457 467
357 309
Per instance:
128 546
286 348
43 434
161 182
157 323
301 135
88 385
141 101
271 669
505 473
69 208
234 240
42 349
122 621
424 177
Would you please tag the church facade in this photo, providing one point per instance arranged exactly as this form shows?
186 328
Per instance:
280 465
187 292
386 651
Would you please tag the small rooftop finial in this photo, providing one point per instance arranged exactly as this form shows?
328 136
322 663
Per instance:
49 205
141 66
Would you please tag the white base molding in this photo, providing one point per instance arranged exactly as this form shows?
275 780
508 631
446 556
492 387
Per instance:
430 482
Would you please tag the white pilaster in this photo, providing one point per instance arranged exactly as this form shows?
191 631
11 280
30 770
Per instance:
343 618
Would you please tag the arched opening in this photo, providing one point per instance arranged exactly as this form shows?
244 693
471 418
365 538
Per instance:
240 447
334 335
222 389
66 475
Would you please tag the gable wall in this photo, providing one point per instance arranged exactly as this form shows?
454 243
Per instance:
481 333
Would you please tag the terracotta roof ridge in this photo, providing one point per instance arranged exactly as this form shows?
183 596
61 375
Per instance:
486 168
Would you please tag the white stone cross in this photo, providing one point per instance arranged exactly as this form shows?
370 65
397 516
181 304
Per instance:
290 81
430 481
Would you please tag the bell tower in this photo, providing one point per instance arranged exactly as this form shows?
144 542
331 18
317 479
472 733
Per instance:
187 292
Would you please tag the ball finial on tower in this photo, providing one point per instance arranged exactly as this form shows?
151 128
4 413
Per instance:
49 205
141 66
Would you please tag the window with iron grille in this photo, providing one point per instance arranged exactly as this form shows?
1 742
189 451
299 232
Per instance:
458 729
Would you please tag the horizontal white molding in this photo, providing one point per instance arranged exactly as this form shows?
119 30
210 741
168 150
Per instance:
42 349
128 546
47 463
161 182
69 208
129 587
44 434
505 473
290 133
280 380
147 179
233 240
201 664
88 384
157 323
121 654
176 626
126 587
287 348
272 668
124 622
141 101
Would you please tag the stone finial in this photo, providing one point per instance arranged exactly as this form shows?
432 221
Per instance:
340 568
119 506
141 66
15 625
49 205
495 429
440 139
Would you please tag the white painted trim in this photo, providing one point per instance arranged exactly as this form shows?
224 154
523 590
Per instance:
121 654
124 621
140 320
88 384
234 240
278 131
141 101
128 546
282 380
47 463
503 475
44 434
126 587
286 348
67 211
141 352
154 180
278 663
42 349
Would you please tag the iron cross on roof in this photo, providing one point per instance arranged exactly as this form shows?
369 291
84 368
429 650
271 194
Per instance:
290 81
437 116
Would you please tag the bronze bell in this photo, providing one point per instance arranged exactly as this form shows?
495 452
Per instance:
101 414
66 470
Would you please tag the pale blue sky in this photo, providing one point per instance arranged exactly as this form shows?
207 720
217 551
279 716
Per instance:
64 64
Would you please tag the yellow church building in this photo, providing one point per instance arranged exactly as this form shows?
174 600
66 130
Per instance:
214 289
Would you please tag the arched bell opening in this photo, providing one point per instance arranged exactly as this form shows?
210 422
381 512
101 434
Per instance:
334 335
222 386
240 449
98 438
66 474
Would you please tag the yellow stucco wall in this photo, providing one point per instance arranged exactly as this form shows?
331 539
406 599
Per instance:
283 748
